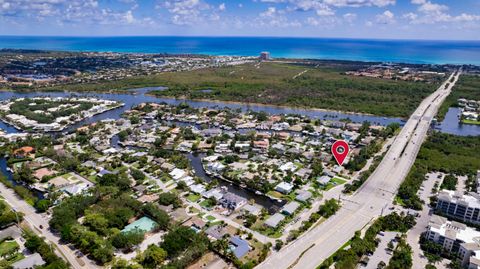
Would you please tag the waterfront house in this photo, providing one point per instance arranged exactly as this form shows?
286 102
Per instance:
254 209
284 187
24 152
215 167
215 193
177 174
232 201
197 188
43 172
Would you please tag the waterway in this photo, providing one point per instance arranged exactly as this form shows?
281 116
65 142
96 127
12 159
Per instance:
269 204
452 125
137 96
196 163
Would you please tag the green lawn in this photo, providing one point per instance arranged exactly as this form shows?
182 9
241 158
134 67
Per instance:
337 181
170 184
206 203
193 210
7 247
475 122
397 200
270 232
333 183
13 259
210 218
193 197
275 194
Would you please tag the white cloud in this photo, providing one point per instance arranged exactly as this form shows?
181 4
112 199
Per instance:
386 17
359 3
429 7
430 13
410 16
68 11
187 12
326 7
270 12
274 18
129 17
222 7
33 9
323 22
349 17
319 8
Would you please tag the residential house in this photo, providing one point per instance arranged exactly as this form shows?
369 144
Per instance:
232 201
290 208
216 232
303 173
24 152
303 196
239 246
284 187
31 261
251 209
274 220
323 180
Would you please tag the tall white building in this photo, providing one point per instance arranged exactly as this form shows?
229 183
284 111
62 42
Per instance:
456 238
460 206
264 55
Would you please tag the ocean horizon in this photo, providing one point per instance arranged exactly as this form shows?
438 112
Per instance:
373 50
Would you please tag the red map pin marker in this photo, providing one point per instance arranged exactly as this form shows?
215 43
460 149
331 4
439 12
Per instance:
340 151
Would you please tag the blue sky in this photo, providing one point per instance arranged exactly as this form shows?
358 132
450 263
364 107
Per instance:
402 19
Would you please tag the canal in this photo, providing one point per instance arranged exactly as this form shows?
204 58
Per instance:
452 125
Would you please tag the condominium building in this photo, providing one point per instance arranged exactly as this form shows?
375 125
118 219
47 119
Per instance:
460 206
456 238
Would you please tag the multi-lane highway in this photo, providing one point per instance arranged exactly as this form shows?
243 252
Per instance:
371 199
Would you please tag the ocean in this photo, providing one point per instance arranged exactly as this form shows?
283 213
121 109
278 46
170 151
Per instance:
405 51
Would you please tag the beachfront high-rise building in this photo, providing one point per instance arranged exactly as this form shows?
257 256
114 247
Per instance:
264 56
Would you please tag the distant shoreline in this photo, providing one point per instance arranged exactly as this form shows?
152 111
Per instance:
390 50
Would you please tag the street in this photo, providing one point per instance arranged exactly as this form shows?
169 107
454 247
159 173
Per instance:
35 220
